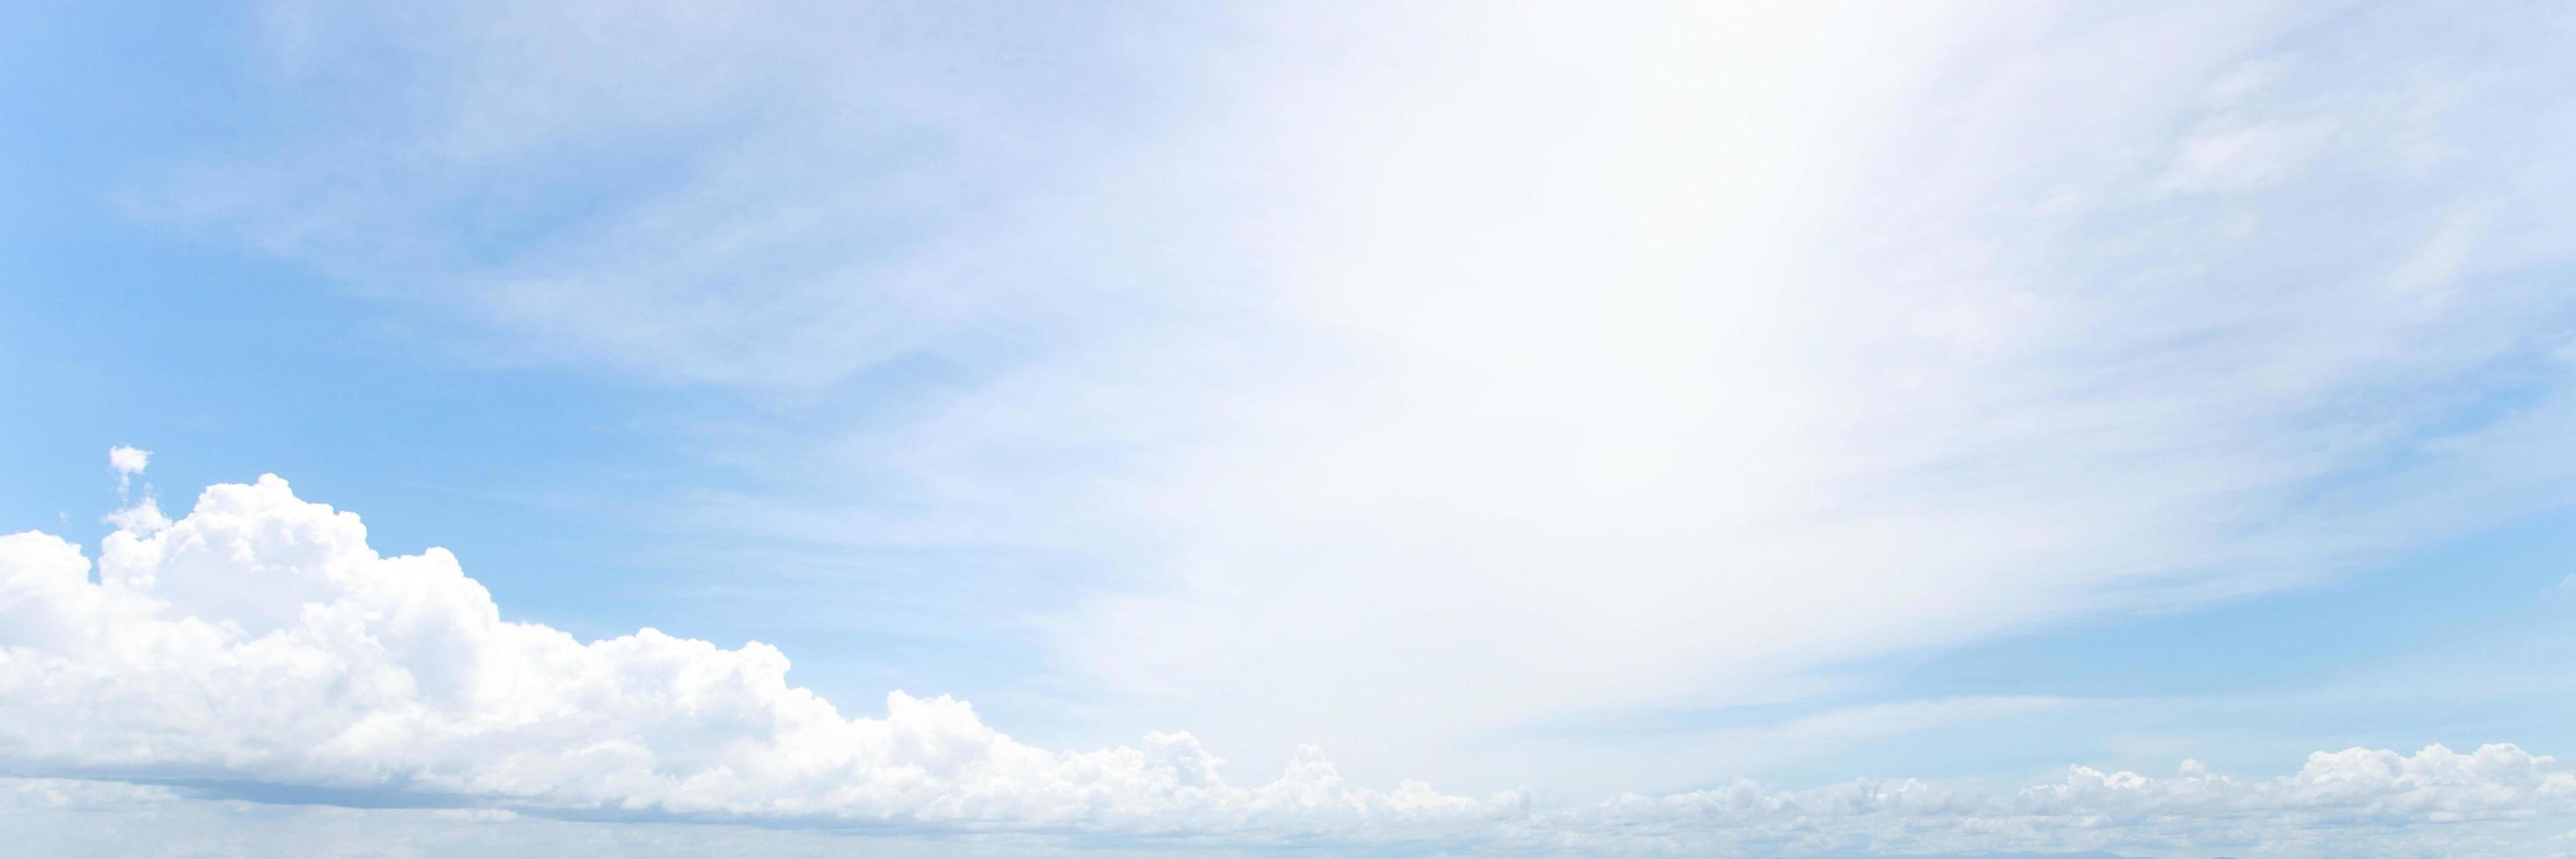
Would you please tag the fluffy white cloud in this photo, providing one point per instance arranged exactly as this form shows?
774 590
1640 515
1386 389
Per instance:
143 516
127 461
259 640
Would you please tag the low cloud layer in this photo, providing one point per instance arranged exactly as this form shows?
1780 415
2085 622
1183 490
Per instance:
260 638
260 641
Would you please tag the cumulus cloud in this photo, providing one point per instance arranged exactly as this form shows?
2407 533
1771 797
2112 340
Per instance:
260 640
128 462
143 516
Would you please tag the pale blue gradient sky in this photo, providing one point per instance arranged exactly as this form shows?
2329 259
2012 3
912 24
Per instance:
1585 402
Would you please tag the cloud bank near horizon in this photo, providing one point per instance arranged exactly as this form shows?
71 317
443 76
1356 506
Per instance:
259 640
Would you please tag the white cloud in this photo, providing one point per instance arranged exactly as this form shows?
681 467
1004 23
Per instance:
2241 158
70 817
144 515
77 793
803 190
1586 360
1658 382
259 640
2329 807
128 462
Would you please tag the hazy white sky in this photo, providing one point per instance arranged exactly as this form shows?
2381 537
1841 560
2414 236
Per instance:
1544 402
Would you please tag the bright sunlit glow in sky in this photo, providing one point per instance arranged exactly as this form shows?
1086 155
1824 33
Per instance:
1814 429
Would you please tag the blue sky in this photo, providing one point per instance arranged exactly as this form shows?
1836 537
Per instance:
1574 402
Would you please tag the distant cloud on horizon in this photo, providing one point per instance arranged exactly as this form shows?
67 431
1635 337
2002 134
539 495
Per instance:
1495 427
260 640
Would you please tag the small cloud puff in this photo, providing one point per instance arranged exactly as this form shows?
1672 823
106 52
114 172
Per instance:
127 460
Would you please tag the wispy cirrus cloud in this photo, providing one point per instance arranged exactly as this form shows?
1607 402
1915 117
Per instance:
1517 365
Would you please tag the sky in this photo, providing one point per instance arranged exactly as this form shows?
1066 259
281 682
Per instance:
1878 429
